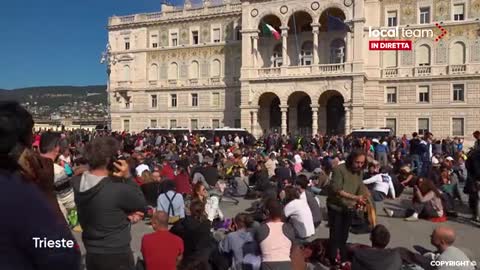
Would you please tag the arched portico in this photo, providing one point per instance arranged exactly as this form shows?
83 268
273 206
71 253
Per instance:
332 114
269 115
299 113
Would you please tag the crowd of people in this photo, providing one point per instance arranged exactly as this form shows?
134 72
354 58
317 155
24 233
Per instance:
100 183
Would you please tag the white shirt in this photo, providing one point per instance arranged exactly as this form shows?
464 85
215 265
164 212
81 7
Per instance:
299 211
383 183
298 159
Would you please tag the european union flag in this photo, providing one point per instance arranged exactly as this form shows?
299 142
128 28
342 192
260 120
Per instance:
337 24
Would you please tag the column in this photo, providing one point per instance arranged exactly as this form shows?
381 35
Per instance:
314 120
284 111
254 122
255 49
315 31
347 120
284 45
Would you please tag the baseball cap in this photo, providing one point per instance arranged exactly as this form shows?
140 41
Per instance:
449 158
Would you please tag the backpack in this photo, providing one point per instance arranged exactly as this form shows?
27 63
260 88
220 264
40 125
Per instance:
172 218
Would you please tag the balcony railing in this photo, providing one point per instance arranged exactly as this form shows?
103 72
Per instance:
152 82
332 68
266 72
457 69
215 80
193 81
172 82
390 72
124 83
423 71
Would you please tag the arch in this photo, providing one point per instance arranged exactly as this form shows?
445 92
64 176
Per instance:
126 73
270 19
332 11
269 115
153 72
299 22
173 71
270 15
458 53
216 68
194 70
300 113
423 55
306 53
333 112
337 51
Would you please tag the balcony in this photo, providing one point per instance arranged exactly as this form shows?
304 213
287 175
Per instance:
298 71
457 69
215 80
269 72
193 81
423 71
152 83
124 83
172 82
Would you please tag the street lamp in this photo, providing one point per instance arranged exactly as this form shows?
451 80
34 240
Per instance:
108 59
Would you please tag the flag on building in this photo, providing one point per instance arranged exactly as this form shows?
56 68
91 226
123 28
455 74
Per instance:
337 24
267 29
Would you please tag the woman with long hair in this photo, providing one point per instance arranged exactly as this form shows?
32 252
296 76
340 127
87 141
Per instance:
427 203
212 207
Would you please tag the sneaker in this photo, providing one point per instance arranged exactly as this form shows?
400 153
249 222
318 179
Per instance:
411 218
388 212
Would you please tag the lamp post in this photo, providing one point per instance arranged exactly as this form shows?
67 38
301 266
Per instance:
108 59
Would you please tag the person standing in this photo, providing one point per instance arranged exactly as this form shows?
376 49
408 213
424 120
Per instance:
108 201
345 193
161 250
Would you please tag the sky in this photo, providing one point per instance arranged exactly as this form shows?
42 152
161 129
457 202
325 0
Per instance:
58 42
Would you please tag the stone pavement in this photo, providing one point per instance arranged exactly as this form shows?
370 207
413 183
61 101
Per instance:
404 234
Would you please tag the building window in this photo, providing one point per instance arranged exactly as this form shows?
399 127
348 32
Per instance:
237 123
392 124
423 126
238 33
277 57
459 12
337 51
306 54
391 95
194 100
216 66
127 44
215 123
173 71
457 54
216 35
458 125
392 18
153 123
424 94
154 101
215 99
423 55
154 41
127 104
194 37
126 124
174 39
424 15
238 98
153 73
194 70
126 73
193 124
459 92
173 100
173 123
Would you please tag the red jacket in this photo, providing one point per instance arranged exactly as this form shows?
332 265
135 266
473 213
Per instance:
182 183
167 171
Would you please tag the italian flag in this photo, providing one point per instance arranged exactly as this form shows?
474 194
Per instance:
269 30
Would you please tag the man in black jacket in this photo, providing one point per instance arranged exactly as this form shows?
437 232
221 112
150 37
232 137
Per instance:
108 201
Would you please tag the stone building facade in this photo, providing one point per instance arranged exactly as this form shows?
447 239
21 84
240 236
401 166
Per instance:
209 65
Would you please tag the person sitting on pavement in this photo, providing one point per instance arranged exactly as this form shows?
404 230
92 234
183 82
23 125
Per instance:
194 230
382 185
211 202
308 197
427 202
171 202
163 242
240 246
298 214
377 257
443 238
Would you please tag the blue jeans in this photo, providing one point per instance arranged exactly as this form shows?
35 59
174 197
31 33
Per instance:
416 164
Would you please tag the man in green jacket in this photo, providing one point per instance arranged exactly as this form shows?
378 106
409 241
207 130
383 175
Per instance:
346 192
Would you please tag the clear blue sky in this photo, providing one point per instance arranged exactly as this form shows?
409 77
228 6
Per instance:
58 42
